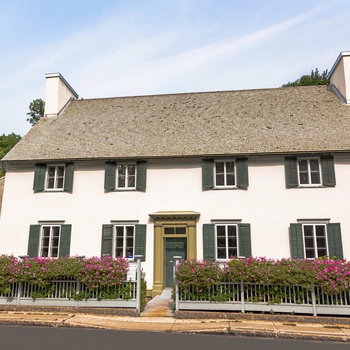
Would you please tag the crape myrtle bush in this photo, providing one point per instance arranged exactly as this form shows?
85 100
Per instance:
93 272
333 276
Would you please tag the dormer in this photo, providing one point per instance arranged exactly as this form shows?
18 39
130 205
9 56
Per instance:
58 94
339 77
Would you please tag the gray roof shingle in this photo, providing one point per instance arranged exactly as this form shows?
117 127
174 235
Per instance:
282 120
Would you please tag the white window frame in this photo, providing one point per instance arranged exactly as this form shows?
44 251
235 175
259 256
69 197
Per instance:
126 187
114 245
41 246
55 188
225 172
314 224
226 224
309 172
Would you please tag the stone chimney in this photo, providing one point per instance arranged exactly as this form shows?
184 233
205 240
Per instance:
58 94
339 77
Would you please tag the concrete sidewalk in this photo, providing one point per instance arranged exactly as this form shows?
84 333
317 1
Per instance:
241 325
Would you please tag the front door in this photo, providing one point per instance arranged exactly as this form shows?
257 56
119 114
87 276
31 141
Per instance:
173 247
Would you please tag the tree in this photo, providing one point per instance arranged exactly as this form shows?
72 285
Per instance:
315 78
36 111
6 143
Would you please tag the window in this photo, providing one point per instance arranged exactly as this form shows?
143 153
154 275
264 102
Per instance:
125 176
49 240
123 239
226 241
225 174
310 171
222 174
313 239
53 177
222 240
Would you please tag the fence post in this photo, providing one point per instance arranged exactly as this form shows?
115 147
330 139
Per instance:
313 298
177 259
77 293
242 298
19 293
138 284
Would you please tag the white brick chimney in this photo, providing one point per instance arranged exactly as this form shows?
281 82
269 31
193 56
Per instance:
58 94
339 76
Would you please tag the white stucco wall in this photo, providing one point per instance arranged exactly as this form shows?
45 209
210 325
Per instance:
173 185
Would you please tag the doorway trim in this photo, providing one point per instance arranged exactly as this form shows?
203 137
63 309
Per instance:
164 219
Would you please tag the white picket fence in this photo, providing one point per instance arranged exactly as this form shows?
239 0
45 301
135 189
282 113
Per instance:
250 297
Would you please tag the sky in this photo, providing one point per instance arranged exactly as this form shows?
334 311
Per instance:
111 48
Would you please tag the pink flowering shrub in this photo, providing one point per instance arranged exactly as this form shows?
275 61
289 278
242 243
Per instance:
332 275
93 272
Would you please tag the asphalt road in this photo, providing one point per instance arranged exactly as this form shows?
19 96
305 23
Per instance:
35 338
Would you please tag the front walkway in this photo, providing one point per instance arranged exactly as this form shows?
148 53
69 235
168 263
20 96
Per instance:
159 306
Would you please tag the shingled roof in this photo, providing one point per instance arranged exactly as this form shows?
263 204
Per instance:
266 121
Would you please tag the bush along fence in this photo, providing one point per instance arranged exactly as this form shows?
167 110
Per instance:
264 285
72 281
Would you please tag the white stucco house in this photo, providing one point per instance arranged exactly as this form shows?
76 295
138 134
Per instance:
200 175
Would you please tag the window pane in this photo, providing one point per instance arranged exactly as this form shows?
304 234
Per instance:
315 178
119 231
230 179
131 181
219 167
320 231
169 230
321 252
308 230
221 253
221 242
131 169
314 165
121 169
121 181
60 171
181 230
230 167
310 254
59 182
232 252
119 252
303 165
220 231
220 180
309 242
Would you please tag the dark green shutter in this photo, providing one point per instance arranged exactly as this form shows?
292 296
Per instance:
140 240
68 177
207 174
244 239
242 172
107 240
335 247
39 177
141 175
33 241
296 241
208 241
110 169
291 172
65 237
328 173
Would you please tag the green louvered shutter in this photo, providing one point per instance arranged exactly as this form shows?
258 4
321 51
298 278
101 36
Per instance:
65 237
296 241
39 177
335 247
33 242
107 240
68 177
207 174
140 240
328 173
110 169
242 172
291 172
244 239
141 175
209 242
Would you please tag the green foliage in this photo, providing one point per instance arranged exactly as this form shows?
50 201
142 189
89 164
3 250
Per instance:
6 143
315 78
36 111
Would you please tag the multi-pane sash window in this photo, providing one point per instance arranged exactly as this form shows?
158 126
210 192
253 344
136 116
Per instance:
126 175
309 171
315 239
226 241
225 174
124 241
55 177
50 239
